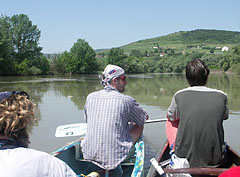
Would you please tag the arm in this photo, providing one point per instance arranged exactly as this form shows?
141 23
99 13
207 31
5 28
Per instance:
135 132
172 113
85 114
137 114
226 113
137 117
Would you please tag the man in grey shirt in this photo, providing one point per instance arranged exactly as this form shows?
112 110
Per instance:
200 111
108 112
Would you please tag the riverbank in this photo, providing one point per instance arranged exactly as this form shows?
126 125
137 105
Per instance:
223 72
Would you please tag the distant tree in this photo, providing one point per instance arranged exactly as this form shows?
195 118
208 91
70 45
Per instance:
102 54
135 53
24 69
59 63
211 51
232 57
160 49
132 64
43 64
6 49
146 54
195 55
84 57
25 39
172 52
155 50
236 50
80 59
116 56
19 48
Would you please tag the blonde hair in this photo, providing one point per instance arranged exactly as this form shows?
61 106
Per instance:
16 117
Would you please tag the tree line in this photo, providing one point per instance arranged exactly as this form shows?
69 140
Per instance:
20 54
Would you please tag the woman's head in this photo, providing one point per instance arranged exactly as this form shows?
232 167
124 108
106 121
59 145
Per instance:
16 116
197 73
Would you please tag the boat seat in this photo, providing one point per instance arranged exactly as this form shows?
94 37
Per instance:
78 152
130 160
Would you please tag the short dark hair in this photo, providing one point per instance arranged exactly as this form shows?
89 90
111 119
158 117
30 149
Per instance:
197 73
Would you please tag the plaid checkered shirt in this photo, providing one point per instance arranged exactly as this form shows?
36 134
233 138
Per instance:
107 113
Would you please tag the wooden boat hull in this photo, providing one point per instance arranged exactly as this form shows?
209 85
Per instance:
71 154
163 155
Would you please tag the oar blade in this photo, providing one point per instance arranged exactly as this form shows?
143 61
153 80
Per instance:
71 130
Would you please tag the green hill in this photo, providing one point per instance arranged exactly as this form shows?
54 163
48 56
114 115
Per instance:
199 36
180 40
170 53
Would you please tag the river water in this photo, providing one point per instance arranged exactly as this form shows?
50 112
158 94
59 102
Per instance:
60 100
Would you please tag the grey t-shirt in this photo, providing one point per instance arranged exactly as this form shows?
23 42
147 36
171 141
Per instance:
200 136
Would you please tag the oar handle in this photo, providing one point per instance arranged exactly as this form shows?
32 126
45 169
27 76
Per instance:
155 120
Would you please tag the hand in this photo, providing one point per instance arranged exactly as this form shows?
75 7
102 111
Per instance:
147 117
135 132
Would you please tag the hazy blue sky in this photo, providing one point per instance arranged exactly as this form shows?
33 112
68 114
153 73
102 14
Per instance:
111 23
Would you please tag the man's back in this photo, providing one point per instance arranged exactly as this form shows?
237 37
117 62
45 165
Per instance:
107 141
200 135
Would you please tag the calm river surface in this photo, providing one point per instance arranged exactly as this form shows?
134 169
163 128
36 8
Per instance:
60 100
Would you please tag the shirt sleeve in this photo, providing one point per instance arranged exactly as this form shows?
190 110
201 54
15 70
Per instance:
85 110
85 114
172 113
226 110
58 168
137 113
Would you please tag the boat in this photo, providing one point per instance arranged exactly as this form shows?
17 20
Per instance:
163 158
71 154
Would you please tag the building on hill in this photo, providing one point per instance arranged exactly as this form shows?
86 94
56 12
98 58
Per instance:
163 54
225 48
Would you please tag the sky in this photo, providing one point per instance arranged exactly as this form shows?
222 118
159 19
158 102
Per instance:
111 23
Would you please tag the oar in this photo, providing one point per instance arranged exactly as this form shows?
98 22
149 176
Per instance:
80 129
155 120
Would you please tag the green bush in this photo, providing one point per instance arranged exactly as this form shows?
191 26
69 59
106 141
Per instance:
235 68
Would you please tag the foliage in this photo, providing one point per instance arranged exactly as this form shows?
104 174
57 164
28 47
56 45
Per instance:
102 63
235 68
132 64
42 64
6 48
57 65
80 59
24 69
84 57
25 38
20 53
19 50
116 56
186 40
136 53
198 36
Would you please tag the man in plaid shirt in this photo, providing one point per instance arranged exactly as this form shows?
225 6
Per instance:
108 112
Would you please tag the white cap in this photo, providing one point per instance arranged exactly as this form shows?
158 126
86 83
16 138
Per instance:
112 72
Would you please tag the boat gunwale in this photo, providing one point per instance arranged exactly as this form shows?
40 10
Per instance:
204 171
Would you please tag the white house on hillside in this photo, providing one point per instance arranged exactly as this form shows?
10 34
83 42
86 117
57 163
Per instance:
225 48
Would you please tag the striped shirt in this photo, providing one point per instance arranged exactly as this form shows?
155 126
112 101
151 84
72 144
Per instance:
107 113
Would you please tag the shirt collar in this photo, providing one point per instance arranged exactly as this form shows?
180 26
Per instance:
110 87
